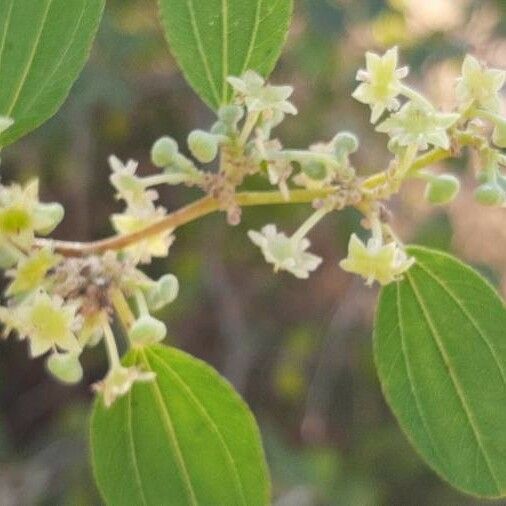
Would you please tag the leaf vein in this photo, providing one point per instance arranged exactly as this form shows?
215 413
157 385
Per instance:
170 431
456 384
196 401
28 67
200 48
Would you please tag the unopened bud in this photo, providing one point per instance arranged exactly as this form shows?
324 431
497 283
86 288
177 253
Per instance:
314 169
147 330
48 217
490 194
203 146
499 133
345 142
65 367
164 151
442 189
164 292
231 114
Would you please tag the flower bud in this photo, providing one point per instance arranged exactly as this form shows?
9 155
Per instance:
203 146
65 367
314 169
164 151
345 142
164 292
490 194
147 330
231 114
499 133
442 189
7 257
47 217
219 128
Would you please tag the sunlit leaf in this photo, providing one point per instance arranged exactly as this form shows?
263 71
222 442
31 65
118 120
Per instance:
43 47
213 39
185 439
440 349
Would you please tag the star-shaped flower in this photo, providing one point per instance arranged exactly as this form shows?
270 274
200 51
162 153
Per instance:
379 262
479 85
417 125
259 96
381 83
119 381
46 321
153 246
285 253
130 187
31 271
22 215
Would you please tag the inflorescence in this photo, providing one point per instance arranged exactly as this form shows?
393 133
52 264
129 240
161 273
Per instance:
61 304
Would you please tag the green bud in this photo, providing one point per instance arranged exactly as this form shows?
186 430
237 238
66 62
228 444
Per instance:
314 169
65 367
47 217
230 114
7 257
490 194
164 292
442 189
147 330
164 151
345 142
219 128
203 146
499 133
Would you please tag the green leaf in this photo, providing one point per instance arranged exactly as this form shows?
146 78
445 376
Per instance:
187 439
43 47
440 350
214 39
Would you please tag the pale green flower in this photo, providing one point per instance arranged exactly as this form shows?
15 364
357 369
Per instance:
285 253
153 246
119 381
22 215
130 187
259 96
5 123
379 262
31 271
46 321
381 83
417 125
479 85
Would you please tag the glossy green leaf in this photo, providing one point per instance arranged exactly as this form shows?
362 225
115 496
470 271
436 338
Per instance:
185 439
214 39
440 350
43 47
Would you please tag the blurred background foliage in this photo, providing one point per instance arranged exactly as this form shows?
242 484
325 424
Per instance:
300 353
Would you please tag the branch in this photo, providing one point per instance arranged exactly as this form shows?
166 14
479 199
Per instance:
208 205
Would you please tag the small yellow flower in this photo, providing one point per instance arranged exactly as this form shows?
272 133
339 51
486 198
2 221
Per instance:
285 253
119 381
46 321
259 96
21 213
381 83
479 85
379 262
154 246
131 188
31 271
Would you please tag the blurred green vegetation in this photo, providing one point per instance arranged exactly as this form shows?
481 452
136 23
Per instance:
299 353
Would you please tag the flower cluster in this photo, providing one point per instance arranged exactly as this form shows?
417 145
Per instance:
63 305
